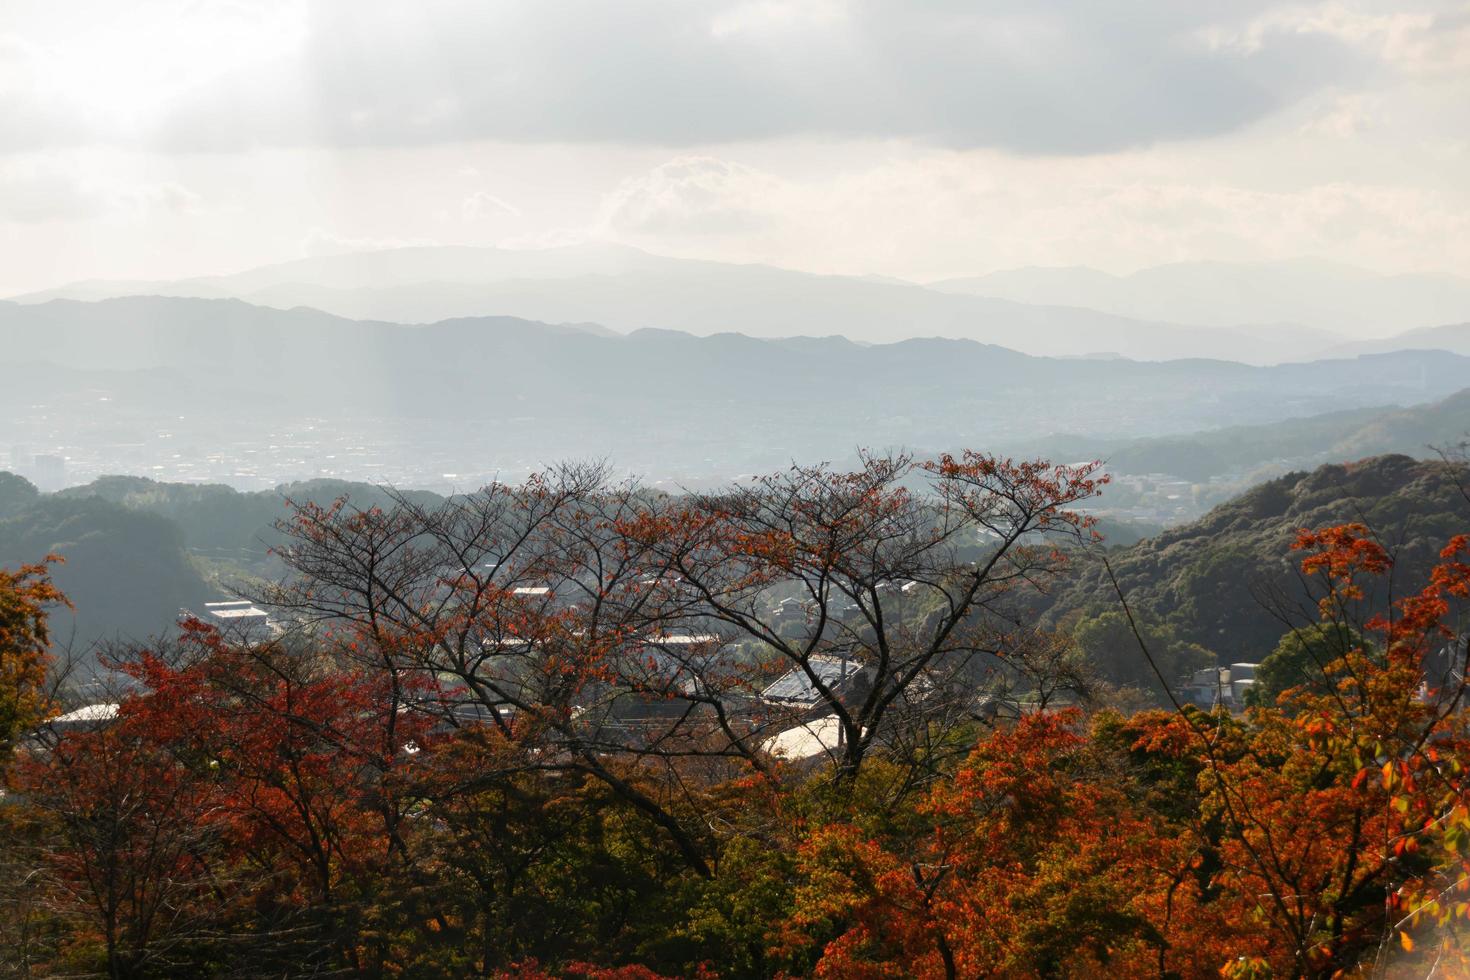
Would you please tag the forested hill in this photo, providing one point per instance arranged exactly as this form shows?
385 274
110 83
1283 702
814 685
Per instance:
136 551
1351 434
221 522
1206 580
126 572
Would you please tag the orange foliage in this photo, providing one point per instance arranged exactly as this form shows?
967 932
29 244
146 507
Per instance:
25 595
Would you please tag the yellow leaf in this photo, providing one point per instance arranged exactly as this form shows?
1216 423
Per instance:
1406 942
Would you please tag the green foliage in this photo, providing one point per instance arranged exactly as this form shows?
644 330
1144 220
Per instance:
1214 580
729 919
125 571
16 493
1349 434
1299 661
1109 644
223 523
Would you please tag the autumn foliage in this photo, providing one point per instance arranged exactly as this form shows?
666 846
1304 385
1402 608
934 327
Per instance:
26 599
521 737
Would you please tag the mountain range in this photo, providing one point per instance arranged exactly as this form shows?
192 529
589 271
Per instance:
1322 296
1295 443
1256 314
137 377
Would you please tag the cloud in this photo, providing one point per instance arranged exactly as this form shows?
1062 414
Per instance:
96 72
692 195
169 197
319 241
943 213
44 188
27 197
483 204
1066 76
1414 40
1346 116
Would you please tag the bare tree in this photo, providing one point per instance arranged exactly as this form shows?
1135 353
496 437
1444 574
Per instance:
624 635
903 586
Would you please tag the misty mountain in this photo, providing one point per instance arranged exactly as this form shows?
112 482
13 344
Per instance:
1296 443
159 383
305 356
1451 337
1322 297
386 268
626 290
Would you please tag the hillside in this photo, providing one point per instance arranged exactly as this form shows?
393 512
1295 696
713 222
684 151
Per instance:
137 551
220 523
1206 580
126 571
1302 442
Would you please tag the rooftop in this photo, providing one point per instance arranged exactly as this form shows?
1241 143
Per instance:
821 736
90 712
796 684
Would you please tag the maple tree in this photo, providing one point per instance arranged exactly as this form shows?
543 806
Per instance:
1332 819
905 587
1317 838
26 597
557 606
254 778
126 847
1034 860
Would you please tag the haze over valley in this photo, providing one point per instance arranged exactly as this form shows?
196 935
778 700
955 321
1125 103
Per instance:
221 391
735 489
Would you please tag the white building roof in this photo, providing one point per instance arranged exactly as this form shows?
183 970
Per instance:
89 712
249 612
821 736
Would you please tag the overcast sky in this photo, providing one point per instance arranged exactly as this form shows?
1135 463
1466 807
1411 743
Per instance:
162 138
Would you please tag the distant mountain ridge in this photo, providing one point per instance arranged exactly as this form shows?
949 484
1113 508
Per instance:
625 289
1319 296
265 347
1299 443
193 377
1454 337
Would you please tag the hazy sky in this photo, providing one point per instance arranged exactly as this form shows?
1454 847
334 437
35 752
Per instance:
161 138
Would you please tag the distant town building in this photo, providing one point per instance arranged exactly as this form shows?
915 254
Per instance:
48 472
812 740
85 718
530 591
844 678
1216 687
237 619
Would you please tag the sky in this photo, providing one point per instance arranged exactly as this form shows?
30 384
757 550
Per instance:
922 140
